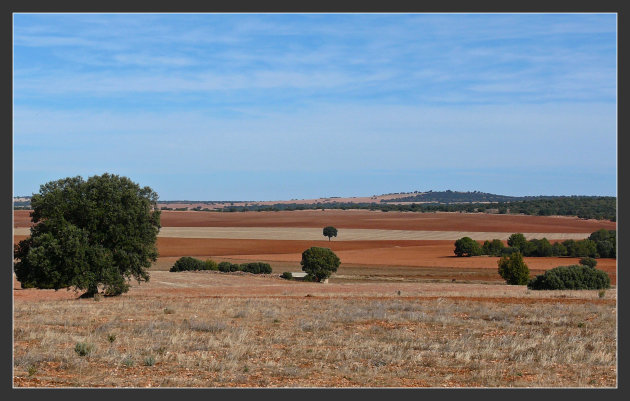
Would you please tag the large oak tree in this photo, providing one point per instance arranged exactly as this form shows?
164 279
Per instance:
102 231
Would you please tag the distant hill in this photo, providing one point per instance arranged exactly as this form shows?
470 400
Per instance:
449 196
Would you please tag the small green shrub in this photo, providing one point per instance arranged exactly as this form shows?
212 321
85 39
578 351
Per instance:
128 362
83 348
574 277
255 267
32 369
187 263
590 262
287 275
513 269
111 338
210 265
227 267
149 361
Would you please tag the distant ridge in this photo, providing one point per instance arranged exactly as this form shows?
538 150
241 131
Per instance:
449 196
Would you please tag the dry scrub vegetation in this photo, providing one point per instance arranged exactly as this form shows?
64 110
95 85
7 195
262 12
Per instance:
313 341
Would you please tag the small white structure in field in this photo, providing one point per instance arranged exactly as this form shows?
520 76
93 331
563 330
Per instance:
301 275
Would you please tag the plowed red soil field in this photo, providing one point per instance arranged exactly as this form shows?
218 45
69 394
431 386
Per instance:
374 219
387 221
378 254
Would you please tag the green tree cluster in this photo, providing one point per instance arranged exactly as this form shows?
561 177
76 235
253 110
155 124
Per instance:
600 244
87 233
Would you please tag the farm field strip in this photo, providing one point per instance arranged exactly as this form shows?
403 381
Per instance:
348 234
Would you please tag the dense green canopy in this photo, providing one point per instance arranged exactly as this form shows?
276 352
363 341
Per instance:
319 263
102 231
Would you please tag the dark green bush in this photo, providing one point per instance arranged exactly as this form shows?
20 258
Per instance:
319 263
187 263
83 348
228 267
517 240
255 267
538 247
590 262
492 248
605 242
210 265
287 275
574 277
558 249
580 248
513 269
466 246
509 250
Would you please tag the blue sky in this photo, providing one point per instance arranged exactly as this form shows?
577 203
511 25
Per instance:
291 106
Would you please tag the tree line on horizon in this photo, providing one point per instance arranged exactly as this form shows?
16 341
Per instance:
585 207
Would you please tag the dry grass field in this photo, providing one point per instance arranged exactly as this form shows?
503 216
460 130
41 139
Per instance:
209 329
398 313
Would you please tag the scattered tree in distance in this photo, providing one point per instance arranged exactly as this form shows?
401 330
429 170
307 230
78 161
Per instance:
330 231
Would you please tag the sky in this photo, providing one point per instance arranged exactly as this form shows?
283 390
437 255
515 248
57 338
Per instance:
299 106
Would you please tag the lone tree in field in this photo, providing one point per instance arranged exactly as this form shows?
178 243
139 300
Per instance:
330 231
467 246
513 269
101 231
319 263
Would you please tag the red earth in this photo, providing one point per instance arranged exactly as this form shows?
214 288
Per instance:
441 221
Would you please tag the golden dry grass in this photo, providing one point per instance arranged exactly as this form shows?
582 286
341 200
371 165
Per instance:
337 340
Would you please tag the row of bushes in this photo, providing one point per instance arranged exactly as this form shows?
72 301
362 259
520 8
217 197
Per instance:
575 277
188 263
600 244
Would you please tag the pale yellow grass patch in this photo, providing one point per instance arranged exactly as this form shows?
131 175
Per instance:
347 234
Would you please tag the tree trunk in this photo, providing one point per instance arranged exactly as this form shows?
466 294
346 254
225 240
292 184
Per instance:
91 291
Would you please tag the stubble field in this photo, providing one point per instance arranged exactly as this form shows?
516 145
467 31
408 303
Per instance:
398 313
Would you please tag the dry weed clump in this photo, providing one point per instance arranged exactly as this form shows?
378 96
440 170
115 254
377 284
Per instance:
279 342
